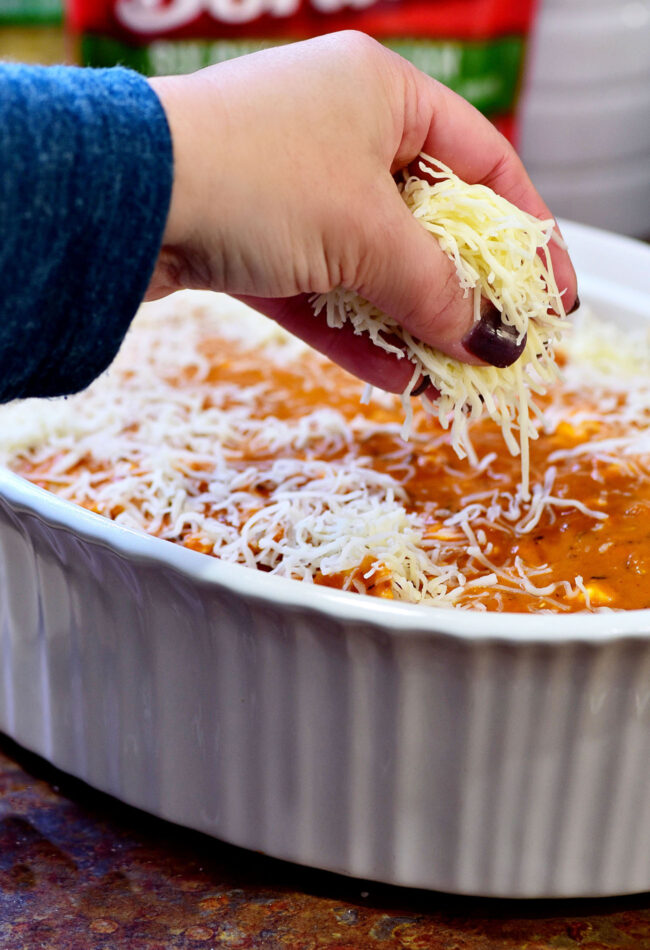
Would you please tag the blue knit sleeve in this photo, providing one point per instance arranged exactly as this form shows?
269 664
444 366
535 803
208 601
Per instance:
85 183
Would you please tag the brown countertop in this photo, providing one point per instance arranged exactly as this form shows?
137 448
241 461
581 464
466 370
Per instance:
80 871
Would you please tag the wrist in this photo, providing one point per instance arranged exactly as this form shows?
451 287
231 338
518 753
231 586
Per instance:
192 120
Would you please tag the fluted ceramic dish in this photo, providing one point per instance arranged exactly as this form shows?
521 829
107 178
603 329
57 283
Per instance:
493 754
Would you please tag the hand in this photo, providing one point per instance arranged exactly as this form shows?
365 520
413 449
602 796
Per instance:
283 187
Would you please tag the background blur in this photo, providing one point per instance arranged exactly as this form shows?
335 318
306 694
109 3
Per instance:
585 111
31 31
567 80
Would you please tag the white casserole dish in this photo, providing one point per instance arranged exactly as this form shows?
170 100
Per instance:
492 754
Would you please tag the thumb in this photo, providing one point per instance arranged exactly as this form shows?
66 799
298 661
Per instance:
405 273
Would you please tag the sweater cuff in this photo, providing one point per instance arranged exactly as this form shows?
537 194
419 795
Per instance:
91 217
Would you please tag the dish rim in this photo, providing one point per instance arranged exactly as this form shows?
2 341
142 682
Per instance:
395 617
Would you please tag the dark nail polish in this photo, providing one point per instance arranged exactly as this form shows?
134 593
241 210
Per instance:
493 341
424 384
575 306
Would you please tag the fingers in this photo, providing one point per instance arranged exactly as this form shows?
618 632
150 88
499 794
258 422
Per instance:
355 353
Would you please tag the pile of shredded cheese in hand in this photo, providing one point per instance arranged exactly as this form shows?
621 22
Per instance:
500 253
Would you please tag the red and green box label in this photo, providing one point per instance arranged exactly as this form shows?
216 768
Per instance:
474 46
30 12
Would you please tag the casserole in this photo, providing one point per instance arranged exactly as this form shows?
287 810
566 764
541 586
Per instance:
484 753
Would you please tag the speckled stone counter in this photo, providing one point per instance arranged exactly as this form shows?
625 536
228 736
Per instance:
80 871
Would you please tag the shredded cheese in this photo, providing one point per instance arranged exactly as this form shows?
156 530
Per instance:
500 253
176 458
166 442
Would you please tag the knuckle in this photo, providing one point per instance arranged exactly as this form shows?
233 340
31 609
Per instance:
439 316
360 44
448 306
343 257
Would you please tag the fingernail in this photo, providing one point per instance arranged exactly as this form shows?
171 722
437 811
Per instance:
493 341
575 306
424 383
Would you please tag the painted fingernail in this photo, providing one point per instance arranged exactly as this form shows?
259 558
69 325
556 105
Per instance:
575 306
493 341
421 387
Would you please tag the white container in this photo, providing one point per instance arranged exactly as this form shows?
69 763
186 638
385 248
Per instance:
585 112
481 753
589 43
619 196
587 131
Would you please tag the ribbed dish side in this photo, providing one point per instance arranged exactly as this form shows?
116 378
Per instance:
470 766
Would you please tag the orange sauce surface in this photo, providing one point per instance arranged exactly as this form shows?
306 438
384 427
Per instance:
612 556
